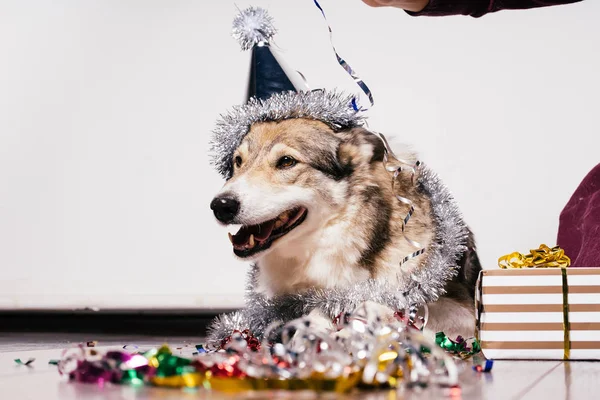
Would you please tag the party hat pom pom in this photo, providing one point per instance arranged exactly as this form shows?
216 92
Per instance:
252 26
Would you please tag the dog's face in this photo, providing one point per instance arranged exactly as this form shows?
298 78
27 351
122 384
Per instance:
289 179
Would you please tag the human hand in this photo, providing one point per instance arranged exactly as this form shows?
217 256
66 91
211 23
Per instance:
408 5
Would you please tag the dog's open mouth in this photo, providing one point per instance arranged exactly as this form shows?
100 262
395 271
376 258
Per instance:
255 238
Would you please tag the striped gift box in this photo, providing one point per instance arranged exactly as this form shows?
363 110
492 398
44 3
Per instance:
525 314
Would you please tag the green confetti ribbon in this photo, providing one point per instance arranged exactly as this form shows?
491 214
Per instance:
26 363
167 364
458 347
133 377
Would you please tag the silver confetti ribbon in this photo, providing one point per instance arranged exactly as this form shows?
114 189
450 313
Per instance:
395 165
358 80
383 353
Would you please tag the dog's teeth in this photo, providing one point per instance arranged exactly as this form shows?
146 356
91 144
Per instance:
230 237
278 223
251 242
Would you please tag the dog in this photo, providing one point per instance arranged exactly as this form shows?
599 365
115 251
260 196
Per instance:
317 209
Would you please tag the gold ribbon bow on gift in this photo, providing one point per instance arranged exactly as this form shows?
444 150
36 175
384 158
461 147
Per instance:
546 257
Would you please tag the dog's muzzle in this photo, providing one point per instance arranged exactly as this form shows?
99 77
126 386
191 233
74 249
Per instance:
225 208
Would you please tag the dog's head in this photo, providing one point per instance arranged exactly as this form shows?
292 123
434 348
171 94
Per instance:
289 179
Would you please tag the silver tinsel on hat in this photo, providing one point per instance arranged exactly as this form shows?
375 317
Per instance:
331 107
425 285
252 26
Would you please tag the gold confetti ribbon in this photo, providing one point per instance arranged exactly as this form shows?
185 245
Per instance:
318 384
188 379
566 325
546 257
241 384
543 257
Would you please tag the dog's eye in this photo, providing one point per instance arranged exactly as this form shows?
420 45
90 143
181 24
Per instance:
286 162
238 161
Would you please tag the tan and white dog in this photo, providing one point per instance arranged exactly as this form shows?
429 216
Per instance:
317 210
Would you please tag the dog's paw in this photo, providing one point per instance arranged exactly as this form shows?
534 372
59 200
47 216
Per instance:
451 317
368 315
343 335
317 322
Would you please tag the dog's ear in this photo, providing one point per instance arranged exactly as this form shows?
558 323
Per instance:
360 147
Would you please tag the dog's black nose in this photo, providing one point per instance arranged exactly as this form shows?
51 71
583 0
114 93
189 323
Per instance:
225 208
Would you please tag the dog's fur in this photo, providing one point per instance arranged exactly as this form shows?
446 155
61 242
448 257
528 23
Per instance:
353 228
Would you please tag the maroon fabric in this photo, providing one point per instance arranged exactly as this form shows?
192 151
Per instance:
579 228
479 8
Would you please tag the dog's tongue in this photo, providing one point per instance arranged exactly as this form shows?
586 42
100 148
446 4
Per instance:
260 232
263 231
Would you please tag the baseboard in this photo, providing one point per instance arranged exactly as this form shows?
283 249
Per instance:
139 322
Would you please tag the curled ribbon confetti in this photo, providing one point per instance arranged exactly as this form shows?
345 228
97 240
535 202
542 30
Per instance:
461 347
543 257
396 165
252 342
481 364
363 86
412 317
25 363
171 370
293 356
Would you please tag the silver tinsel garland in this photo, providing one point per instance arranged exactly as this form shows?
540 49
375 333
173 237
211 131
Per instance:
425 285
331 107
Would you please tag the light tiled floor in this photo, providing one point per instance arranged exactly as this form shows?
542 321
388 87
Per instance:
545 380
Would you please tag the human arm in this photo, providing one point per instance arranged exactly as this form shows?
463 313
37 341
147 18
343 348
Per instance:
473 8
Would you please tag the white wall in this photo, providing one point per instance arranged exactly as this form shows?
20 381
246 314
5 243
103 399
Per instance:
106 109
